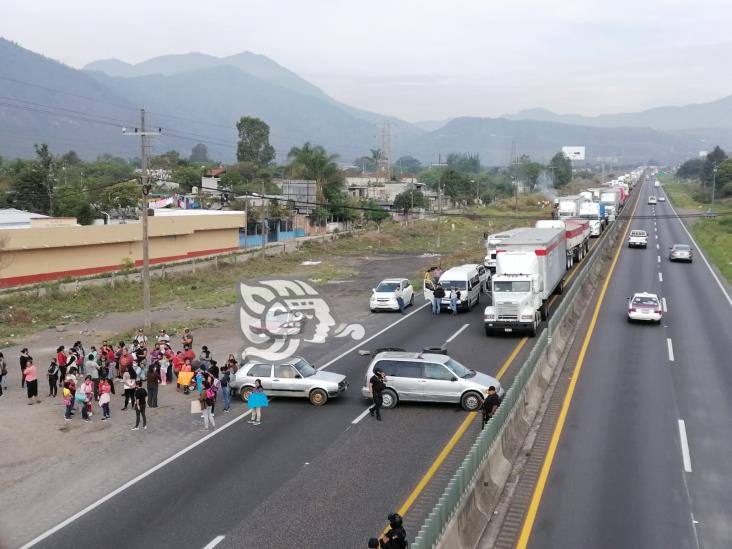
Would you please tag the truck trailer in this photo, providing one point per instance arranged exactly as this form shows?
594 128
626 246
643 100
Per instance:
594 212
530 267
576 234
492 241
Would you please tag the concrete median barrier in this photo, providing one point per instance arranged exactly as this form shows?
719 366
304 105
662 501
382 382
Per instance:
462 514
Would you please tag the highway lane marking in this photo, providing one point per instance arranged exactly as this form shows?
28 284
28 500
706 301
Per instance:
686 456
214 542
511 358
670 347
660 277
663 305
453 440
360 416
659 258
453 336
377 334
704 258
658 246
554 443
132 482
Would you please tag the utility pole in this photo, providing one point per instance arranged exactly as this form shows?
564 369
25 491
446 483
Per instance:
439 211
714 187
145 238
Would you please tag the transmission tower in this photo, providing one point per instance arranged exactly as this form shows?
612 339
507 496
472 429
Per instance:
385 159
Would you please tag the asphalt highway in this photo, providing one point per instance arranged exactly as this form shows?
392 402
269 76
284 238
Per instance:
643 458
308 476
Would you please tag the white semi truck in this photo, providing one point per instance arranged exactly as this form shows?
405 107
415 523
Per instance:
610 198
492 241
530 267
569 206
594 212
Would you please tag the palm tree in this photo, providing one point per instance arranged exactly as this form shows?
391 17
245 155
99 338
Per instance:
313 162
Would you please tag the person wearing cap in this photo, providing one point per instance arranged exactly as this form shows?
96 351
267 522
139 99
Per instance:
396 536
491 402
377 384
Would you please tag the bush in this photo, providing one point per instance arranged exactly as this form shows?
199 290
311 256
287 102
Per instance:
701 195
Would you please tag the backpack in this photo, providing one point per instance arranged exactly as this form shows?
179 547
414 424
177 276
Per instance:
52 369
210 393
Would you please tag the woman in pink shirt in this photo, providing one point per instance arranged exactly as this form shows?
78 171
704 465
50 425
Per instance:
31 381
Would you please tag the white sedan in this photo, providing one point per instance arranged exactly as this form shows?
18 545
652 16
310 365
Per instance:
383 297
662 199
646 307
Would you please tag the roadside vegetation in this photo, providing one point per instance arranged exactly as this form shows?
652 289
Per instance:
714 235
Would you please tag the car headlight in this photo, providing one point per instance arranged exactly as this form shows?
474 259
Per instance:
490 317
527 317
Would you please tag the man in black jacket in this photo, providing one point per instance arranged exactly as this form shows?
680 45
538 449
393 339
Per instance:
490 404
377 384
395 537
437 296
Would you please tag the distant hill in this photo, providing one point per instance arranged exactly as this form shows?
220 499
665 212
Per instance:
197 97
493 139
714 114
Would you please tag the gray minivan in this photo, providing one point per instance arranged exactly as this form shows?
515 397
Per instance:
429 377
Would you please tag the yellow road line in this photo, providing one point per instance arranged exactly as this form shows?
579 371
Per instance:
454 439
549 459
511 358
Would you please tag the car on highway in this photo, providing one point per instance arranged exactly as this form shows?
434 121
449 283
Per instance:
644 306
652 200
383 297
638 239
294 377
662 199
680 252
429 377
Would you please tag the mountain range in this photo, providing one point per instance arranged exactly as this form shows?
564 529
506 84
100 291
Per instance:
196 97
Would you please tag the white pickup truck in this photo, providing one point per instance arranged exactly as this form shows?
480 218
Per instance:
638 239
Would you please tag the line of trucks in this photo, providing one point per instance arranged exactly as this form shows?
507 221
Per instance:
529 264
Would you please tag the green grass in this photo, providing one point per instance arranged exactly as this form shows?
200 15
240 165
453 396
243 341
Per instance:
460 240
713 235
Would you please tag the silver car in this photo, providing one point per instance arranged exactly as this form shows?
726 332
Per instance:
429 377
680 252
294 377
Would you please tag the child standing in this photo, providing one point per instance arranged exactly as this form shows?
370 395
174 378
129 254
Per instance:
68 400
257 400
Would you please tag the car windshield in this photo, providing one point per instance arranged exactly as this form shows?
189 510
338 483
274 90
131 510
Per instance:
681 247
448 285
458 369
305 369
387 286
511 286
645 301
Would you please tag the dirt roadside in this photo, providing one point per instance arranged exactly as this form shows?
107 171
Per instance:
44 459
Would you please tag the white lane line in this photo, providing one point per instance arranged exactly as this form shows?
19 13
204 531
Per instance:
214 542
453 336
377 334
686 456
663 305
660 277
132 482
360 416
655 229
659 259
658 246
698 250
670 347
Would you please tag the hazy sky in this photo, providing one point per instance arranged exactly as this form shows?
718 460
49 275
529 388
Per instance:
421 59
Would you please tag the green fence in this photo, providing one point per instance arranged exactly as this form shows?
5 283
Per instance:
457 488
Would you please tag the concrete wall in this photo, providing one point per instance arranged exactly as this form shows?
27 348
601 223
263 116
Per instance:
50 253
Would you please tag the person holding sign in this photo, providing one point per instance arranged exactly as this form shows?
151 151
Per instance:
257 400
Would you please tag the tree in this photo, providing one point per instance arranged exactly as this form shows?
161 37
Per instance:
408 163
313 162
187 177
410 200
724 179
691 169
85 214
464 163
122 195
365 164
70 159
455 185
199 154
714 158
374 212
532 171
254 141
561 167
166 161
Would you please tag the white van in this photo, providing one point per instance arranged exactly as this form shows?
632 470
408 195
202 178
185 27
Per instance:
466 280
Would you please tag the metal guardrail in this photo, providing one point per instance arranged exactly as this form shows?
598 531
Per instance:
457 488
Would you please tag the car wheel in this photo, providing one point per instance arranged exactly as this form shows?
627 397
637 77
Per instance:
534 326
373 310
389 399
318 397
488 331
411 300
244 393
630 320
471 401
544 311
